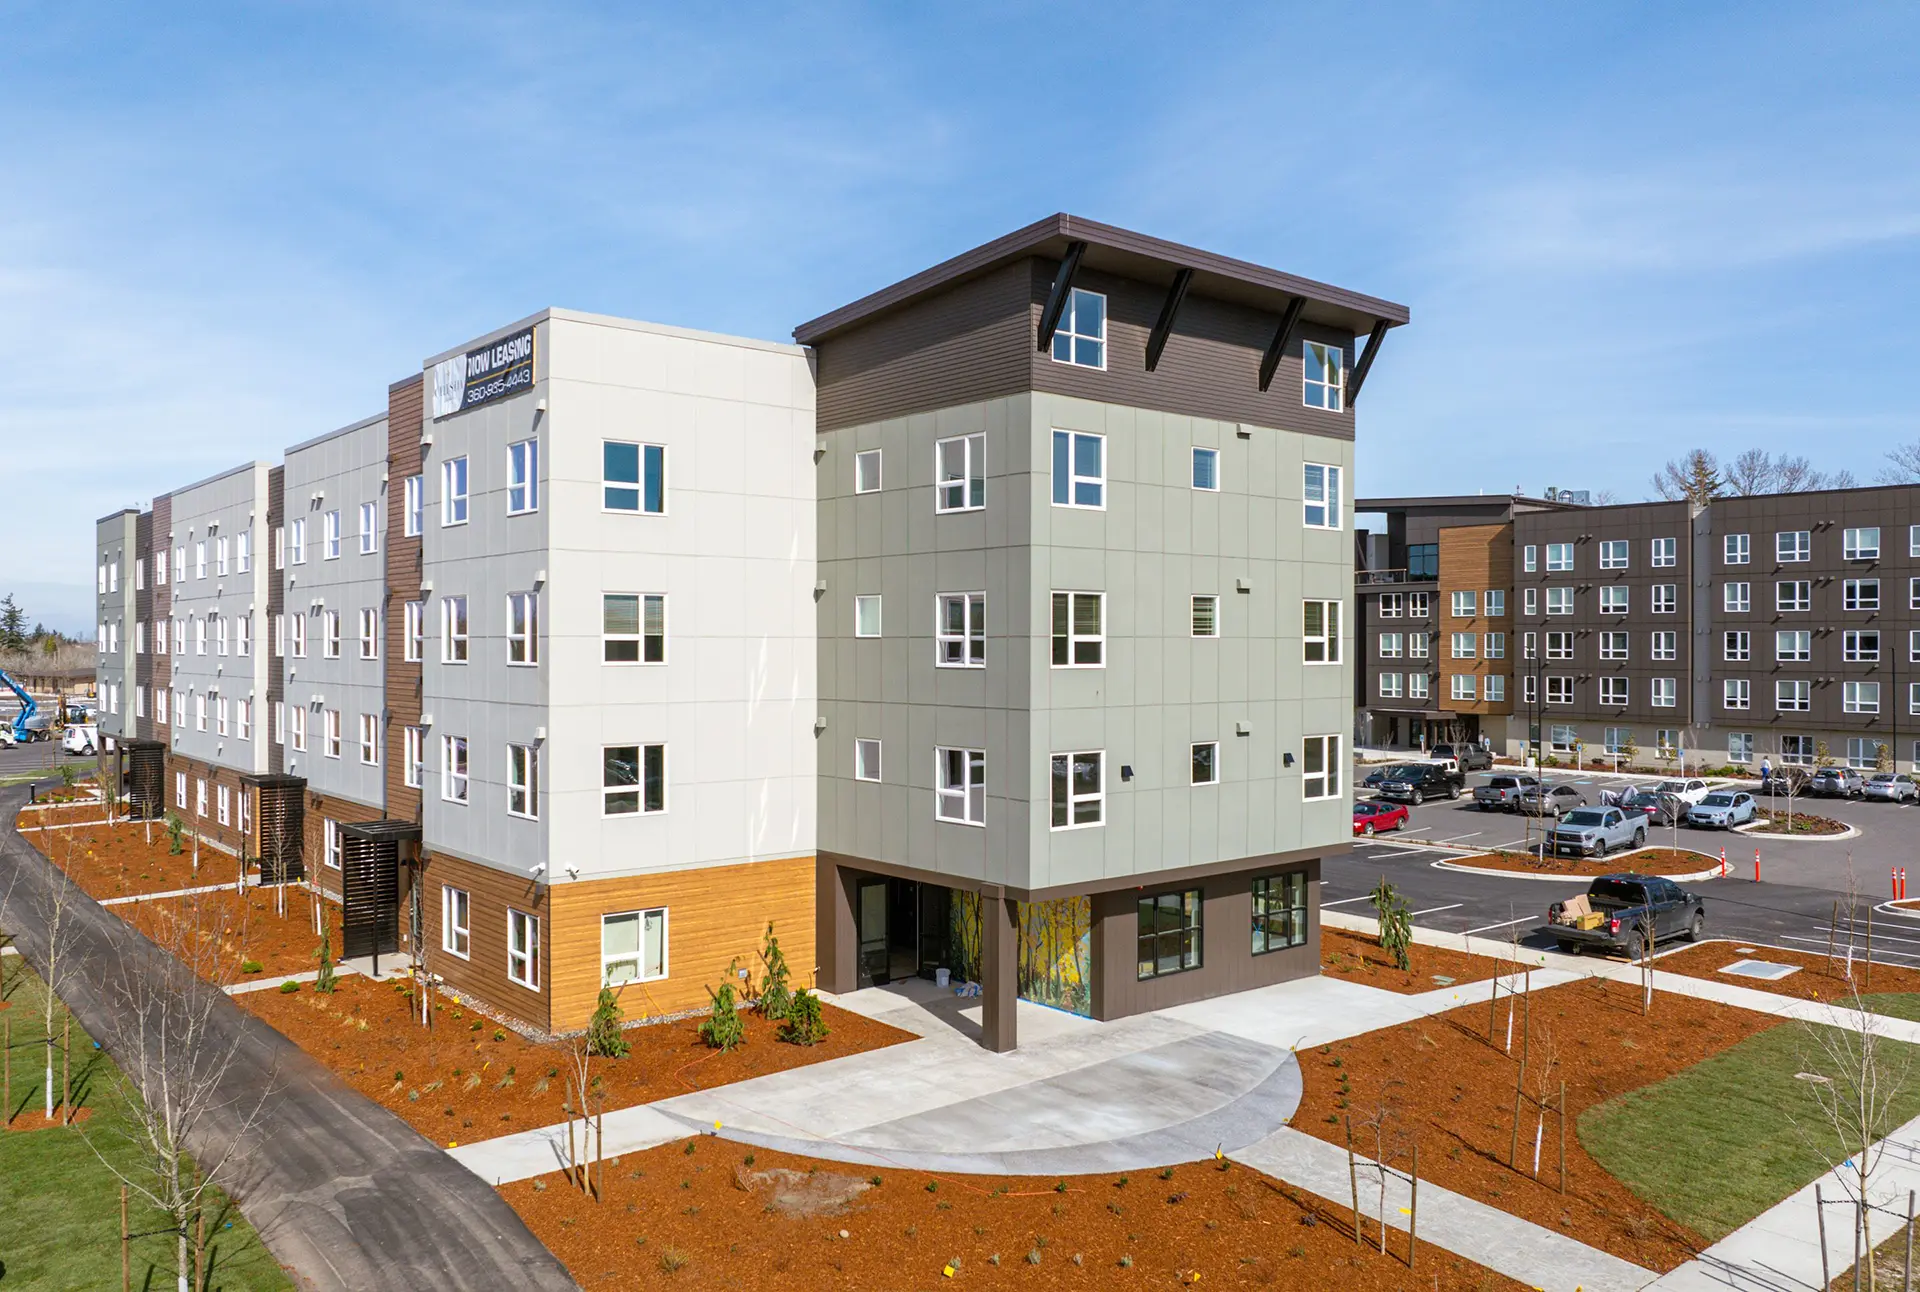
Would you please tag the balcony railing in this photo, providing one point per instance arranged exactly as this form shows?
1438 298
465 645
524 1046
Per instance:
1396 576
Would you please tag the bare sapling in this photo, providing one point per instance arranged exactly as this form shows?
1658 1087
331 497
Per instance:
53 913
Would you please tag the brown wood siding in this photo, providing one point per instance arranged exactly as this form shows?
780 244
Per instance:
1476 559
321 808
405 413
227 836
264 637
483 974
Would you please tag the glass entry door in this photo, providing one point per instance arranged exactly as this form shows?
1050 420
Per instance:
870 917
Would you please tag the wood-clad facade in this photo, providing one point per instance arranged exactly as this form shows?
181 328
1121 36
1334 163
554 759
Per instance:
404 422
1477 560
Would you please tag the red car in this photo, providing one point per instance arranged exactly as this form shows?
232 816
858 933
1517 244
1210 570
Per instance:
1376 815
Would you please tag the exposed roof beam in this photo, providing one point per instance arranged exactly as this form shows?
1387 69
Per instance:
1360 369
1057 298
1164 327
1281 339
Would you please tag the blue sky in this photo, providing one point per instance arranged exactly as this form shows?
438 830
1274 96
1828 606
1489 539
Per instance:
1622 230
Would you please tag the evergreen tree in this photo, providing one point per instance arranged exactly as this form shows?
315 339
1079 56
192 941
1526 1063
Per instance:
604 1037
774 997
13 624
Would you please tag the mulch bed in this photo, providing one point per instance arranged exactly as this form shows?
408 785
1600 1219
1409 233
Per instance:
1648 861
118 861
1817 979
33 1119
472 1078
1357 956
717 1215
1441 1079
1774 821
217 933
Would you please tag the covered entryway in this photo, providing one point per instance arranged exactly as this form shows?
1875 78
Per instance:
278 833
904 929
370 886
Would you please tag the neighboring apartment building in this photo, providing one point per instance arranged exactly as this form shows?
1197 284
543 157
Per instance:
1772 628
117 627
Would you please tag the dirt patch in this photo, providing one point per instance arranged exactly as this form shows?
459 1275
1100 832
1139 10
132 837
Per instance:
1648 861
1818 979
1358 956
804 1194
470 1078
1441 1079
220 933
677 1216
1774 821
120 861
36 1120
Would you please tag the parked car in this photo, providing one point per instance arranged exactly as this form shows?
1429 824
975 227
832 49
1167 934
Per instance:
81 739
1691 791
1376 817
1550 800
1656 808
1419 782
1380 775
1469 758
1502 793
1837 783
1723 810
1891 787
1617 911
1596 831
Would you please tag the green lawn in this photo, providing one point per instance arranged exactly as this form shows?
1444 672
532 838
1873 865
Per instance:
1717 1144
1895 1004
60 1205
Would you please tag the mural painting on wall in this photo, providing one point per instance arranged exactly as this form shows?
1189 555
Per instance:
963 941
1055 956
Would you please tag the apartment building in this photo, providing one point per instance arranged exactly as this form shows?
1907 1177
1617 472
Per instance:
1000 625
118 630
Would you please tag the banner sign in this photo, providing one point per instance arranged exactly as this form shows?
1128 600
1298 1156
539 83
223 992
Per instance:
484 375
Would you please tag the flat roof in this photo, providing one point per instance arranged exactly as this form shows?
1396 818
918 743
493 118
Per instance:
348 429
610 320
1132 255
1458 500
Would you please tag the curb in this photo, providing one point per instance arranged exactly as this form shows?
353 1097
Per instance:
1903 912
1852 832
1694 878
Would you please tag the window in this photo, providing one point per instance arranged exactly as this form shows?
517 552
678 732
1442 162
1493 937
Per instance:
1559 690
1530 601
1559 557
1913 697
200 636
1792 697
1320 631
1320 490
1913 598
1081 335
1797 750
415 741
1320 768
1496 688
523 628
1665 552
866 471
1860 544
199 561
1323 368
1390 645
1206 469
1793 595
633 477
220 709
330 634
1416 686
960 630
453 491
1496 603
219 562
523 781
330 533
1206 616
1913 647
199 712
1859 646
1617 739
243 718
633 628
180 790
1423 562
1613 691
219 635
1559 601
332 845
1417 605
1666 742
866 760
415 505
1613 554
180 568
1079 469
1390 686
1529 645
1860 697
1613 645
1079 789
1663 692
866 615
1463 686
633 779
1860 594
960 785
959 473
1392 604
1793 545
369 528
456 921
297 728
330 732
1463 646
1863 752
1279 911
1417 645
1463 605
1665 645
1793 647
1206 763
416 629
1913 544
1736 598
453 768
370 739
523 949
1736 549
369 633
1530 558
243 556
1168 928
1736 646
243 636
1736 693
453 630
523 477
1613 600
633 946
1079 641
1740 747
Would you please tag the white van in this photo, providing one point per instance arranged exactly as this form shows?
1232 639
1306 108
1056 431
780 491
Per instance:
82 738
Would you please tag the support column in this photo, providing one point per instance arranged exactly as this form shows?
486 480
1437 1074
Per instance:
999 975
836 940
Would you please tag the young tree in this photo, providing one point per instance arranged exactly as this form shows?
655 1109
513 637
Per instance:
1396 925
603 1029
774 996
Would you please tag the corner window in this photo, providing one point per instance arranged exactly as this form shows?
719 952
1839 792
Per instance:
1320 768
456 921
960 785
453 491
523 949
634 477
1206 469
866 471
369 533
633 947
1279 911
960 630
523 628
866 760
1206 616
1206 763
415 506
1079 789
633 779
1320 492
1079 469
1320 632
633 628
453 630
1081 337
523 781
1079 640
523 477
453 768
1169 933
1323 368
866 615
959 473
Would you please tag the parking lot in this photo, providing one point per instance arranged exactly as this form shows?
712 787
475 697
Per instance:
41 757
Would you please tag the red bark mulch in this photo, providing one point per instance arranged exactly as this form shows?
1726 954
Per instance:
1357 956
1648 861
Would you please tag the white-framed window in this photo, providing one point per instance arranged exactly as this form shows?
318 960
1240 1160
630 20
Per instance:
523 477
1417 645
1797 750
414 747
866 614
369 528
453 492
1081 336
1079 789
1613 554
243 635
220 709
1860 697
1323 371
220 561
1663 692
1793 545
180 566
199 566
200 636
1463 605
1860 594
866 471
180 790
1613 645
330 536
369 738
1206 763
1736 693
279 722
1913 598
199 711
1559 557
297 541
1206 615
1392 602
633 627
1529 693
1736 549
1321 503
1464 646
333 846
1666 742
523 781
1860 646
416 631
243 719
415 506
1496 603
1529 645
960 473
633 779
1913 547
1913 701
1206 470
1793 595
960 785
369 633
1391 645
1736 645
1559 690
1794 646
1320 632
1079 630
960 630
330 634
219 634
1496 688
1562 737
523 949
1390 686
1664 552
1079 469
1416 686
1736 598
1613 599
866 759
456 921
1530 601
1320 768
1913 646
633 947
1559 601
453 630
243 558
139 701
1613 691
1417 603
523 628
1616 739
1740 747
330 732
1463 686
1863 752
1860 544
1664 644
453 768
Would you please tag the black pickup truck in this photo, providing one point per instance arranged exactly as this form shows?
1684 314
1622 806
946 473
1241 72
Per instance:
1615 911
1418 782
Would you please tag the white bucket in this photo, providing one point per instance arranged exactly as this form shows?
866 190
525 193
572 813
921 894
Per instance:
940 977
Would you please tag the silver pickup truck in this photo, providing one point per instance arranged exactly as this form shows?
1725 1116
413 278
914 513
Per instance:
1502 793
1597 831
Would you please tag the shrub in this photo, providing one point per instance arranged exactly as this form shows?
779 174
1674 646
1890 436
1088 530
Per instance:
175 828
804 1024
1396 924
324 982
604 1037
289 987
775 998
723 1029
251 966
